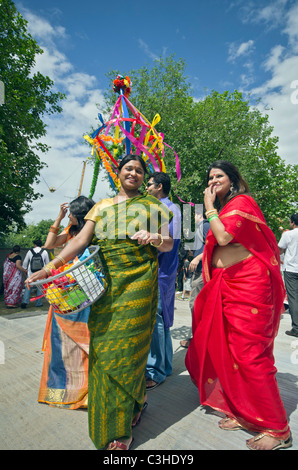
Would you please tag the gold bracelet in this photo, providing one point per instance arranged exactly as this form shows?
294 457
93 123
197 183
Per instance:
49 266
47 270
54 229
61 259
211 212
161 241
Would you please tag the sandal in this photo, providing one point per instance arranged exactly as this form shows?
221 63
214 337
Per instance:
282 444
117 445
136 420
228 420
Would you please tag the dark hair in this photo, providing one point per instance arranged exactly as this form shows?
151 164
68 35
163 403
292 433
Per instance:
37 242
239 184
294 219
130 157
79 208
162 178
16 249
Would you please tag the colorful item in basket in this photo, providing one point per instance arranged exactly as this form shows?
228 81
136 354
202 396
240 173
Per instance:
89 278
57 297
78 288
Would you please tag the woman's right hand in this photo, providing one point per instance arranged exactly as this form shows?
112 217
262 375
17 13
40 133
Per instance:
209 197
63 210
38 276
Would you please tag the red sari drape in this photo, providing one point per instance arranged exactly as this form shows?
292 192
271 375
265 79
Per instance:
235 320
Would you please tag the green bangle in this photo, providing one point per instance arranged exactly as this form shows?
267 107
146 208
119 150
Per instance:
213 217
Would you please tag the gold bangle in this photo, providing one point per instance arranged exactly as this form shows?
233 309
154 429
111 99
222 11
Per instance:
54 229
61 259
50 266
47 270
161 241
211 212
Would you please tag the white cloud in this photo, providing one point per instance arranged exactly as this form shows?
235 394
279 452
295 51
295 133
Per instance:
276 93
243 49
291 28
145 48
271 14
64 131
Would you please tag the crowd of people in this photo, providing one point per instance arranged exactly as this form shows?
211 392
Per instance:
110 355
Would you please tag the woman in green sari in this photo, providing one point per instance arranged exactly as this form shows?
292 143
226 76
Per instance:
130 229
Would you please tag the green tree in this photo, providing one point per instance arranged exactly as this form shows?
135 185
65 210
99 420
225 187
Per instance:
28 97
31 232
219 126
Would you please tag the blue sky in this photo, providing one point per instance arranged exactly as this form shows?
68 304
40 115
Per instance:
251 46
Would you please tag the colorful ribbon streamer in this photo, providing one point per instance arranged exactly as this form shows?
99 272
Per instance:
139 135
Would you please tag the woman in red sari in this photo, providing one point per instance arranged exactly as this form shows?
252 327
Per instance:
236 315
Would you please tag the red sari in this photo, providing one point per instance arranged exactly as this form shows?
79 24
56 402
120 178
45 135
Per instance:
235 320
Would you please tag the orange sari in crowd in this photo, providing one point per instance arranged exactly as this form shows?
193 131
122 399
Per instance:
235 320
64 379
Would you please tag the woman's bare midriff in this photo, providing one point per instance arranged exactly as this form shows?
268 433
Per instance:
224 256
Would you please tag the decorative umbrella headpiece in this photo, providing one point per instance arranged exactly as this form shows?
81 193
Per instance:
133 134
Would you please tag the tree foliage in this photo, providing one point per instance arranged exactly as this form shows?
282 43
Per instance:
219 126
31 232
28 97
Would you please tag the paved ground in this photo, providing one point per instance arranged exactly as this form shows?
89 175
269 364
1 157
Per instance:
174 419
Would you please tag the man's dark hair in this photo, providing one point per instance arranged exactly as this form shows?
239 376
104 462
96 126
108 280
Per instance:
294 218
163 179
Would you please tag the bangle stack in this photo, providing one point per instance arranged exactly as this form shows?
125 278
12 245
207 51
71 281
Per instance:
161 241
61 259
212 214
54 229
48 267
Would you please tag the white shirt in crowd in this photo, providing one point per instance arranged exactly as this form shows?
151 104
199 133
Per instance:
27 260
289 242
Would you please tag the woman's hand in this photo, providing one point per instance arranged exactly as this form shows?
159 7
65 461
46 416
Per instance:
38 276
209 197
63 211
162 243
143 237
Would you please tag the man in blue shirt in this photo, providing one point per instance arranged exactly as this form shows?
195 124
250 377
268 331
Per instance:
159 364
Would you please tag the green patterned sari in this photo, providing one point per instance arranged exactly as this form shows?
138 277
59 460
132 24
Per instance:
122 321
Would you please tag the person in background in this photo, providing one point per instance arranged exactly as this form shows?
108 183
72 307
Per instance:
43 259
236 315
197 282
64 379
187 277
160 359
122 320
13 278
288 246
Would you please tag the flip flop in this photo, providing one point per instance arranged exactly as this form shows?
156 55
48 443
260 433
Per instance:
283 444
225 420
117 445
151 387
134 424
